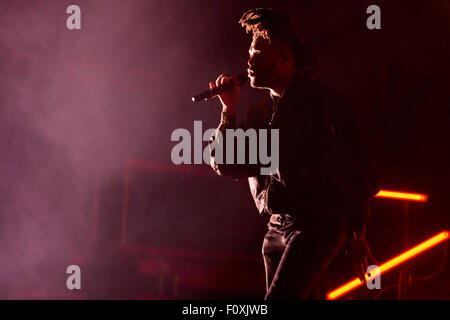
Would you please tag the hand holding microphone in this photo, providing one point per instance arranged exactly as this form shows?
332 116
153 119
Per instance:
227 88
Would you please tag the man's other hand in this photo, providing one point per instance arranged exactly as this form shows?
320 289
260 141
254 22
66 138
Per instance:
360 255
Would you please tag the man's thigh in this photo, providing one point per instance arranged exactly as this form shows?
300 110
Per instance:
272 251
305 257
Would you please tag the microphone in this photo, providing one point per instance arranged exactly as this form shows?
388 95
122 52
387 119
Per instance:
211 93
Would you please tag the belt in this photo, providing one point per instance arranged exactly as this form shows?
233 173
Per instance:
279 219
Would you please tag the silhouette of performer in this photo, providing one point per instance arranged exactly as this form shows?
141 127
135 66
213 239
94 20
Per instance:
318 199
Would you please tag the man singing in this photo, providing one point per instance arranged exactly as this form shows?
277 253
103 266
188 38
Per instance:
317 199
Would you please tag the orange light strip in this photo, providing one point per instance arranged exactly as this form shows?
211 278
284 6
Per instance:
420 197
390 264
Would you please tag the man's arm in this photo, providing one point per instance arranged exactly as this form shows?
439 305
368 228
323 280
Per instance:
218 141
364 183
365 180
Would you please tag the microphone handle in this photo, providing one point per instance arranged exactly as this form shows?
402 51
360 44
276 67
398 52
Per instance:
208 94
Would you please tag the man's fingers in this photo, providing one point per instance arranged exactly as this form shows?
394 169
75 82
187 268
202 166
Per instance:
224 79
231 78
219 79
362 272
211 85
370 259
234 79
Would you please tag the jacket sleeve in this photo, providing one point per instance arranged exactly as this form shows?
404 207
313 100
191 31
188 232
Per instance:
361 179
217 147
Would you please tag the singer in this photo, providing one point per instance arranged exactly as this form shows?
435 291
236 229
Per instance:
318 200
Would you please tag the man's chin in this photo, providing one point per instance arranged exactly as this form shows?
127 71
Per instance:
254 83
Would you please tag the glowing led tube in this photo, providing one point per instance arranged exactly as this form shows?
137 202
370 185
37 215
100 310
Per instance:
390 264
402 195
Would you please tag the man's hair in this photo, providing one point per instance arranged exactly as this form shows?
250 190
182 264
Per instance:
277 27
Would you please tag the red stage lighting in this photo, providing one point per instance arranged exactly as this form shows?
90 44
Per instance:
402 195
390 264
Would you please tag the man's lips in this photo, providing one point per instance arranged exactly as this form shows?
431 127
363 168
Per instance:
251 73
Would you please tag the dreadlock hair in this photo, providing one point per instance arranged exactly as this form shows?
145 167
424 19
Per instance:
277 27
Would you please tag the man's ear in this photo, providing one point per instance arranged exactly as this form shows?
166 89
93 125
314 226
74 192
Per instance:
287 55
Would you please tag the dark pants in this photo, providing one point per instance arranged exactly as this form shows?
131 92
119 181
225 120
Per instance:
295 256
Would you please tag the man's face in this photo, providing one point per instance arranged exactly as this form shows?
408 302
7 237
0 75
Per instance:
265 64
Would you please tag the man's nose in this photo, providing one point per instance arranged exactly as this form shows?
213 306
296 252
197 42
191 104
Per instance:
250 62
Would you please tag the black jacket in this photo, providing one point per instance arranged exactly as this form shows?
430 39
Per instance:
325 167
